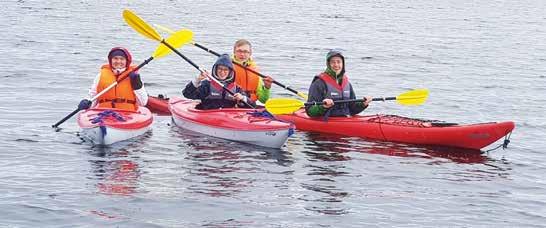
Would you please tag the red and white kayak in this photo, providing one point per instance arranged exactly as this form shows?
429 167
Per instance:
236 124
405 130
107 126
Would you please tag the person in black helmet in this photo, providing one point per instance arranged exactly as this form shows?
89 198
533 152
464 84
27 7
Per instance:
211 93
332 85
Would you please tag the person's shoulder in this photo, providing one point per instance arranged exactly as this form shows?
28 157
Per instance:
254 66
317 79
251 62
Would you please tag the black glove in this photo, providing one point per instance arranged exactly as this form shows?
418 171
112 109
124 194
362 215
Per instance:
136 83
84 104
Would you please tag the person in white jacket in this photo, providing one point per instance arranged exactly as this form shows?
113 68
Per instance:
128 94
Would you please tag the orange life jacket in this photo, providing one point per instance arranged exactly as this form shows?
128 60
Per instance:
247 80
121 96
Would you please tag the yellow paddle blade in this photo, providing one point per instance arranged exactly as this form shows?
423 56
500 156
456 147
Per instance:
278 106
168 30
140 25
161 27
414 97
176 40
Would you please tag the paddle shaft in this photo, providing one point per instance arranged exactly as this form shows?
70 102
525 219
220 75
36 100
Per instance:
351 100
238 64
200 70
124 76
251 70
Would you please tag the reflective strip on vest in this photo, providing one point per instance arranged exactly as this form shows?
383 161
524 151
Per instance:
216 91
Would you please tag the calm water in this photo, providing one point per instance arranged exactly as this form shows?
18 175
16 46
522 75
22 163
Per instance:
483 61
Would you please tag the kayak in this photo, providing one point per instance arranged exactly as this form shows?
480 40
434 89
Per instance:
236 124
105 126
159 105
393 128
406 130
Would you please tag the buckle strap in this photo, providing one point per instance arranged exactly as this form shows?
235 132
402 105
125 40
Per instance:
117 100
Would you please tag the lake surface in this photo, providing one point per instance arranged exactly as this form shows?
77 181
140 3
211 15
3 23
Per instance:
483 61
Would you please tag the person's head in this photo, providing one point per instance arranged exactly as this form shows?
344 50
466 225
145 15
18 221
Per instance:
119 59
223 69
242 50
335 61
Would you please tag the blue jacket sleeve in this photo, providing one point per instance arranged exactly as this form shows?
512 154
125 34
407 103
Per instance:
201 92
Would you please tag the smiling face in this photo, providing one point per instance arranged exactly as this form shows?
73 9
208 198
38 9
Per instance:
222 72
243 52
119 62
336 63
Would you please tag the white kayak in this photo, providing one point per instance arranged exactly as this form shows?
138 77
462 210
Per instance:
107 126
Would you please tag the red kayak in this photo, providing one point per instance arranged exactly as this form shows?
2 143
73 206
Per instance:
236 124
159 105
392 128
405 130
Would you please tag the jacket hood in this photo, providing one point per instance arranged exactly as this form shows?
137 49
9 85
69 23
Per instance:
115 51
329 55
224 60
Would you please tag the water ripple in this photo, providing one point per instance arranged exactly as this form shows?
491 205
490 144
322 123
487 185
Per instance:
482 63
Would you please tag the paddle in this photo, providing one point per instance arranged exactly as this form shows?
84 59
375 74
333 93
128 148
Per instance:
279 106
147 31
302 95
177 39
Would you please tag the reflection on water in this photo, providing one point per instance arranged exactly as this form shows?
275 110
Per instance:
335 144
332 167
326 194
222 168
115 169
326 197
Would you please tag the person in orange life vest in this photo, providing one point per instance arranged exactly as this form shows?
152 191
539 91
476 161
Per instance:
251 83
127 94
211 94
331 85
